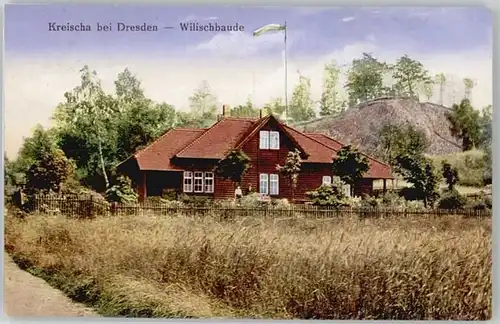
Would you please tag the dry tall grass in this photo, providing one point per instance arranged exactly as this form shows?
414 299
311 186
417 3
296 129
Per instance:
418 268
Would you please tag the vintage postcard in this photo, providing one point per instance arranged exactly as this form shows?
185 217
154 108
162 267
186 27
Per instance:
248 162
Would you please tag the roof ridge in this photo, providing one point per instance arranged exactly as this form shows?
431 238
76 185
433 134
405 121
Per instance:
240 118
329 137
190 129
198 138
311 138
368 156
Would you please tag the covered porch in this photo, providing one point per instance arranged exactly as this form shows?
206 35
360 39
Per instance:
156 183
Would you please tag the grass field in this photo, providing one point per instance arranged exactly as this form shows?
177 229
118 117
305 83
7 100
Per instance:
415 268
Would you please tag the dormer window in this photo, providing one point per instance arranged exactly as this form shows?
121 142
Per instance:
264 140
269 140
274 140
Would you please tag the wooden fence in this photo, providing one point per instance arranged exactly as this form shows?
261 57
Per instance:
85 207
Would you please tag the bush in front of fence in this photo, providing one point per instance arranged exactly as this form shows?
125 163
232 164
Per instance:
452 199
385 206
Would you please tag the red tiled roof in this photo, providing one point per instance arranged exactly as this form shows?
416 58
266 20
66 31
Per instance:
378 169
231 132
218 139
318 152
326 140
157 155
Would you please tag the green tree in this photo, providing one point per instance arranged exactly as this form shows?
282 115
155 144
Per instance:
365 79
8 173
396 140
33 148
119 125
128 87
408 74
465 124
486 124
328 195
276 107
291 169
48 173
330 103
469 84
86 118
428 89
301 107
140 120
452 200
440 79
350 165
188 120
420 172
234 166
203 103
141 123
12 177
121 191
246 110
450 175
488 162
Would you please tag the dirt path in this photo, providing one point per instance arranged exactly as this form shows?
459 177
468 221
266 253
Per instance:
27 295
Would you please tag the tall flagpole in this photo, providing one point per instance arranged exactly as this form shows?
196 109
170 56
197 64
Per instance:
253 87
286 78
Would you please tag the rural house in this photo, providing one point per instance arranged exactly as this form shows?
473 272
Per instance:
184 160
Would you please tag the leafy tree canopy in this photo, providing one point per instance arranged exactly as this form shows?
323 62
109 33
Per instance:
233 166
408 74
419 171
465 124
350 165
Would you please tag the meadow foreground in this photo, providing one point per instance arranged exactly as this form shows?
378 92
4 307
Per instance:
415 268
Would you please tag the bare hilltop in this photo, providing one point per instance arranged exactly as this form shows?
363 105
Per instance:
360 125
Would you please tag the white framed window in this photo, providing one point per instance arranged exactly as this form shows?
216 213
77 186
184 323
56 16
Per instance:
274 140
347 190
273 184
198 181
327 180
264 140
188 181
264 183
209 182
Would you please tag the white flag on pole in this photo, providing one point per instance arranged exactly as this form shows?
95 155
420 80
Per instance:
268 28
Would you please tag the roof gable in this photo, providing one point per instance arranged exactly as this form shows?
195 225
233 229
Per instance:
263 122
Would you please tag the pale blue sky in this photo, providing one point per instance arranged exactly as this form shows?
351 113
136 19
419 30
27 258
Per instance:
312 31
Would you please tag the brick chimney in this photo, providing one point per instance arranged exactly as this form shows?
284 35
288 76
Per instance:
225 111
260 113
